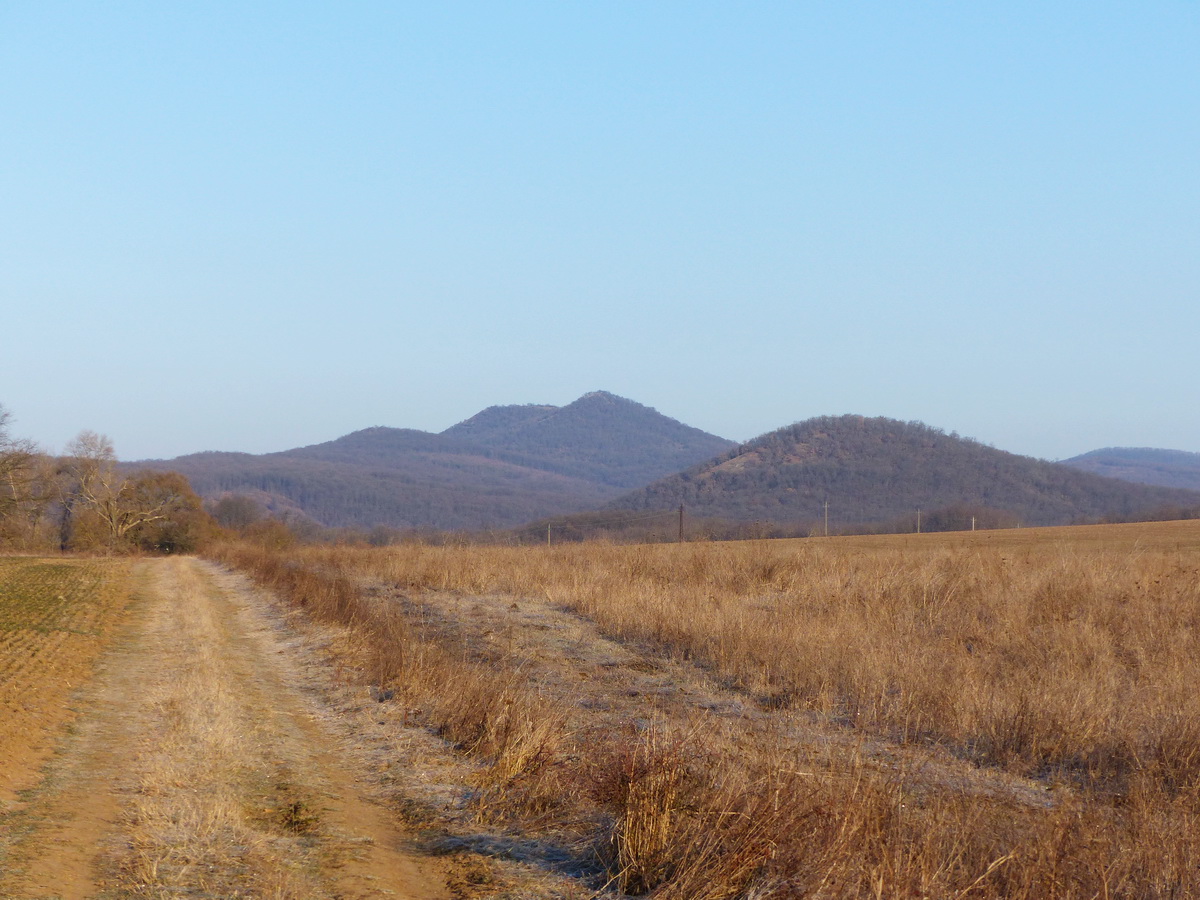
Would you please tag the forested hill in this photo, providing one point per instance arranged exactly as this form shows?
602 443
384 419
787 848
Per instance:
600 437
874 470
502 467
1144 465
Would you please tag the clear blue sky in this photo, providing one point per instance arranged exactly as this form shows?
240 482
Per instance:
251 226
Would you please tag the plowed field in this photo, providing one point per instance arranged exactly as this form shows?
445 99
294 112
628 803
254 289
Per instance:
55 618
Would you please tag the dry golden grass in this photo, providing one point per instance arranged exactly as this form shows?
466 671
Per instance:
1065 656
192 826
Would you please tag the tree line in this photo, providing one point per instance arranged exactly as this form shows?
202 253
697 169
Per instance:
82 501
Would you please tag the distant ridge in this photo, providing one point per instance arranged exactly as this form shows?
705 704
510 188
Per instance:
501 467
600 437
1143 465
496 421
873 470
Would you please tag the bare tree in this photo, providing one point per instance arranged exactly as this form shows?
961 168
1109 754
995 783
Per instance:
120 503
237 511
18 470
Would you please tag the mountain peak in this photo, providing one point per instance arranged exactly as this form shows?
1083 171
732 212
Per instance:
600 437
874 470
603 395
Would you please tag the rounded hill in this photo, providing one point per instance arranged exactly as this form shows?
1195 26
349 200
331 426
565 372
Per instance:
873 470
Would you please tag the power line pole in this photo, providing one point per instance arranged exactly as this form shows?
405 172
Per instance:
826 518
681 523
547 534
918 520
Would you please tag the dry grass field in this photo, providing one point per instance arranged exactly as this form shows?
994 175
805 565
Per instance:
55 618
997 714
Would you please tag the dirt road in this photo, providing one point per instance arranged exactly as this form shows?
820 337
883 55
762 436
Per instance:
200 768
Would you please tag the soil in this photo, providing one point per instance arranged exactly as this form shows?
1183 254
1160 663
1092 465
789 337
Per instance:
47 650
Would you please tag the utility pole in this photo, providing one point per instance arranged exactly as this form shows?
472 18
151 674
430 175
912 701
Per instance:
826 518
918 520
547 534
972 523
681 523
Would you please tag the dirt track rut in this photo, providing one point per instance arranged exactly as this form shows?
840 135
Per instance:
200 769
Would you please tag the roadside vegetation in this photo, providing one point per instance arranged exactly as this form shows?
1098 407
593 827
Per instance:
1006 714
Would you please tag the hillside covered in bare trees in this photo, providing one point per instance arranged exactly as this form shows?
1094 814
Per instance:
879 471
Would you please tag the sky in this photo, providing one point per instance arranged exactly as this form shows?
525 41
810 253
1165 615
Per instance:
254 226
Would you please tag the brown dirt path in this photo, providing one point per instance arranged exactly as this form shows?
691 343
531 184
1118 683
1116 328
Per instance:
200 768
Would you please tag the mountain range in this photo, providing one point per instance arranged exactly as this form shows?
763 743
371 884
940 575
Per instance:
1145 465
504 466
510 465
